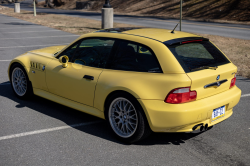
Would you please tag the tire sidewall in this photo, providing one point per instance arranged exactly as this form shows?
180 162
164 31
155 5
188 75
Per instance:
29 90
142 120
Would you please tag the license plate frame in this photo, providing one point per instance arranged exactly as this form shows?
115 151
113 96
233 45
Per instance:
218 113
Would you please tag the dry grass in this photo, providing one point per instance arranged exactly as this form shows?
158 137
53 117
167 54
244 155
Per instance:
69 24
237 50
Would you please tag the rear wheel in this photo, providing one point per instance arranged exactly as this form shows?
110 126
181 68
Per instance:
20 82
127 118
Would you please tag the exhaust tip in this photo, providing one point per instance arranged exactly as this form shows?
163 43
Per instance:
201 128
195 127
206 126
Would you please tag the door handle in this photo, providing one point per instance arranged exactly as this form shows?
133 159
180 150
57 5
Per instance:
88 77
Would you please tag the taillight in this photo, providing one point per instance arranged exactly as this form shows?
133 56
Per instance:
233 81
181 95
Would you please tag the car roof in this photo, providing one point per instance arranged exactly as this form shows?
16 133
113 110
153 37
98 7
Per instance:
161 35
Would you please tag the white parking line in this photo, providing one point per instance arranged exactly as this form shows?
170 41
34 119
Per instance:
4 60
31 31
245 95
36 45
46 130
38 37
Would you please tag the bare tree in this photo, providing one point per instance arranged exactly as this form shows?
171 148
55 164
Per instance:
49 3
52 3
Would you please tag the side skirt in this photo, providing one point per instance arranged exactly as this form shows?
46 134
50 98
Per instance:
69 103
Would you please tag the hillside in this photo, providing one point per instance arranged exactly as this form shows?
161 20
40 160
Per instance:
231 10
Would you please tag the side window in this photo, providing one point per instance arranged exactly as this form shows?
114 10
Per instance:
93 52
69 51
135 47
131 56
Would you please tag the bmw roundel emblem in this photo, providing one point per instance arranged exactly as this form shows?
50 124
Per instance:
218 77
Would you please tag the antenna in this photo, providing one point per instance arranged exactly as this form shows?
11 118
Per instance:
179 21
175 27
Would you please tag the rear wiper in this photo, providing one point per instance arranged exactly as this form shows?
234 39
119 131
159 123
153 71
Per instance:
205 67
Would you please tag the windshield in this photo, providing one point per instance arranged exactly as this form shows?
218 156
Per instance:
198 56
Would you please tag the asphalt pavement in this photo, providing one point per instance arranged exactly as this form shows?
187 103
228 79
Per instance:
221 29
41 132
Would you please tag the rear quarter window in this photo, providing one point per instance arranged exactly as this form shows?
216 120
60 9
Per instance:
132 56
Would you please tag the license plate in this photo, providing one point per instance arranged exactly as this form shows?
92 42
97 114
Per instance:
218 113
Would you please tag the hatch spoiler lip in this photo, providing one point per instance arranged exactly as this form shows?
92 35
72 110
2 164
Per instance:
179 41
217 84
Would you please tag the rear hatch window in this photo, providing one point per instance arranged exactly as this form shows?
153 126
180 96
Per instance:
197 55
207 67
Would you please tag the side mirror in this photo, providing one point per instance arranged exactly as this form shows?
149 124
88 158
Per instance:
64 60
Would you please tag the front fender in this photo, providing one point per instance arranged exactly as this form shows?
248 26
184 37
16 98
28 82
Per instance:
33 64
23 60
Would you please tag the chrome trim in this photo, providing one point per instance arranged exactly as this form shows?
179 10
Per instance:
215 83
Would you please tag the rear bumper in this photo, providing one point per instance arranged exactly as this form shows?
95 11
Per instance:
164 117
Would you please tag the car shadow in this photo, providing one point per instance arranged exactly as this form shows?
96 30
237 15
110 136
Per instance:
167 138
71 116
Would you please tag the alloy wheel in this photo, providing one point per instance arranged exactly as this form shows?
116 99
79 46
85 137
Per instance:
123 117
19 81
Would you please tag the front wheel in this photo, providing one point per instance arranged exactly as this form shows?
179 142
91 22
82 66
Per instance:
20 82
127 118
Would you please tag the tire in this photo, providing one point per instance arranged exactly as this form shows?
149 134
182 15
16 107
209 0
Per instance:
20 82
126 118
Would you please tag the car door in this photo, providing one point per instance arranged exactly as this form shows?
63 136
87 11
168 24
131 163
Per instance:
78 80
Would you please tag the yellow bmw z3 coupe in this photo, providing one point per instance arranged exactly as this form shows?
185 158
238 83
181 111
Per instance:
139 79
